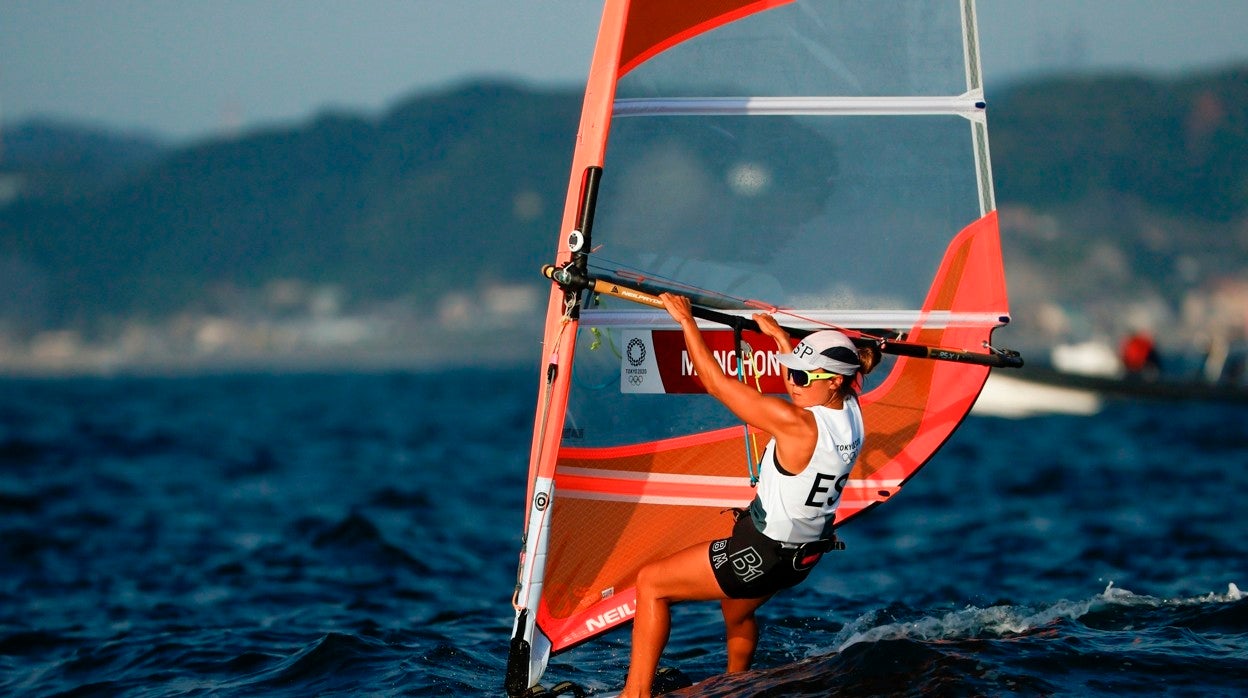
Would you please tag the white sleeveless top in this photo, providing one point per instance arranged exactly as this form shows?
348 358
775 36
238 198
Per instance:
797 508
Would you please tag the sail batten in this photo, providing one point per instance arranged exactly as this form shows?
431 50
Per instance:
969 105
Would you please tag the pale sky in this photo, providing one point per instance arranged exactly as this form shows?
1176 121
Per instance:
191 68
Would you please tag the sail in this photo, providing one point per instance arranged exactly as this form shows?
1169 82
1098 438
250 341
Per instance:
826 160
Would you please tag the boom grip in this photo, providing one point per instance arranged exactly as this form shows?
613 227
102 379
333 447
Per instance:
570 278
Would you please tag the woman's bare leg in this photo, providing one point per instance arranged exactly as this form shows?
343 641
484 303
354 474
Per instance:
741 628
683 576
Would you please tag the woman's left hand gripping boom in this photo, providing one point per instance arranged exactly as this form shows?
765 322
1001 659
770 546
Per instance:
771 414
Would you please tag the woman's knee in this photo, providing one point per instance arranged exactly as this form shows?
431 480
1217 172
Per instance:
659 581
683 576
648 579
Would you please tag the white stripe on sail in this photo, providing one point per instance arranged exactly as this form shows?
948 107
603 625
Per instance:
665 478
854 489
656 499
969 105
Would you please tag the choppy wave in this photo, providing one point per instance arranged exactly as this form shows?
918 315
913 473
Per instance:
358 535
1116 642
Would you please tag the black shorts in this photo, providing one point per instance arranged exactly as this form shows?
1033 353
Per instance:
749 565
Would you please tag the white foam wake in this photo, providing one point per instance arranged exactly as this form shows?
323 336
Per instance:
1007 621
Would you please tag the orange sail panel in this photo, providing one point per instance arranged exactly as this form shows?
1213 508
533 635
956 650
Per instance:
644 501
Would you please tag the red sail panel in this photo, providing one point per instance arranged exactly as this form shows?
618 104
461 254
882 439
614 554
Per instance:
655 25
916 409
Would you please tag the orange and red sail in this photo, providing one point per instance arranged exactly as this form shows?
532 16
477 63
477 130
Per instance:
826 158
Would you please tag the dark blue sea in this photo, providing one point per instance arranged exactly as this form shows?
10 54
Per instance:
299 535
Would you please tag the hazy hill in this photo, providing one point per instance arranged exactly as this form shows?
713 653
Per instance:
464 186
444 185
58 162
1178 144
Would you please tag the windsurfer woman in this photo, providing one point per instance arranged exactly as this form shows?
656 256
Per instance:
817 436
